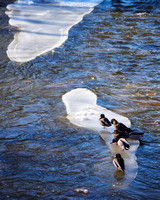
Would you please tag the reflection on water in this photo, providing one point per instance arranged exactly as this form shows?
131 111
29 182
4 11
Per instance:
114 52
119 175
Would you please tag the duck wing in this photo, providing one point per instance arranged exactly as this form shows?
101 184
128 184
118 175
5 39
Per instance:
105 122
122 128
121 163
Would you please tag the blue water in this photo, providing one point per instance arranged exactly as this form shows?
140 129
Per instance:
115 52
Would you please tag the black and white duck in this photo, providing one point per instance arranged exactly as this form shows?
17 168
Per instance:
122 143
104 121
118 162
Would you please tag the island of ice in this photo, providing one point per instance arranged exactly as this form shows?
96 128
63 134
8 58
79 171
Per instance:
82 110
43 25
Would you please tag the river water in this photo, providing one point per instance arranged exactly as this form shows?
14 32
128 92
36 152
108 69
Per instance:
114 52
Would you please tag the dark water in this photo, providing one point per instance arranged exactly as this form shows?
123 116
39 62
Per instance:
114 52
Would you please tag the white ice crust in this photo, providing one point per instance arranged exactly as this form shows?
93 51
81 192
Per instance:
82 110
43 25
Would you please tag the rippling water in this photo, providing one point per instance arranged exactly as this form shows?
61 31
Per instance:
115 52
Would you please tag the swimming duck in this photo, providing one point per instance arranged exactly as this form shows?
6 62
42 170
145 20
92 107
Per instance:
119 162
104 121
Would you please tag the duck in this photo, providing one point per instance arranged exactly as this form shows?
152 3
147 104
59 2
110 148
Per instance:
122 143
120 128
104 121
118 162
122 131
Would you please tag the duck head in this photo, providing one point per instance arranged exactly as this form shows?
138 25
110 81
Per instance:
102 116
114 121
117 155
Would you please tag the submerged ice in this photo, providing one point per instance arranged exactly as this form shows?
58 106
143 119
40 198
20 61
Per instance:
43 25
82 110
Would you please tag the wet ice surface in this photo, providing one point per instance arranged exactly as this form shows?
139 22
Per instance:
43 26
83 111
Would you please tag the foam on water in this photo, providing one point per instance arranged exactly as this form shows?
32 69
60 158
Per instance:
83 111
43 25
